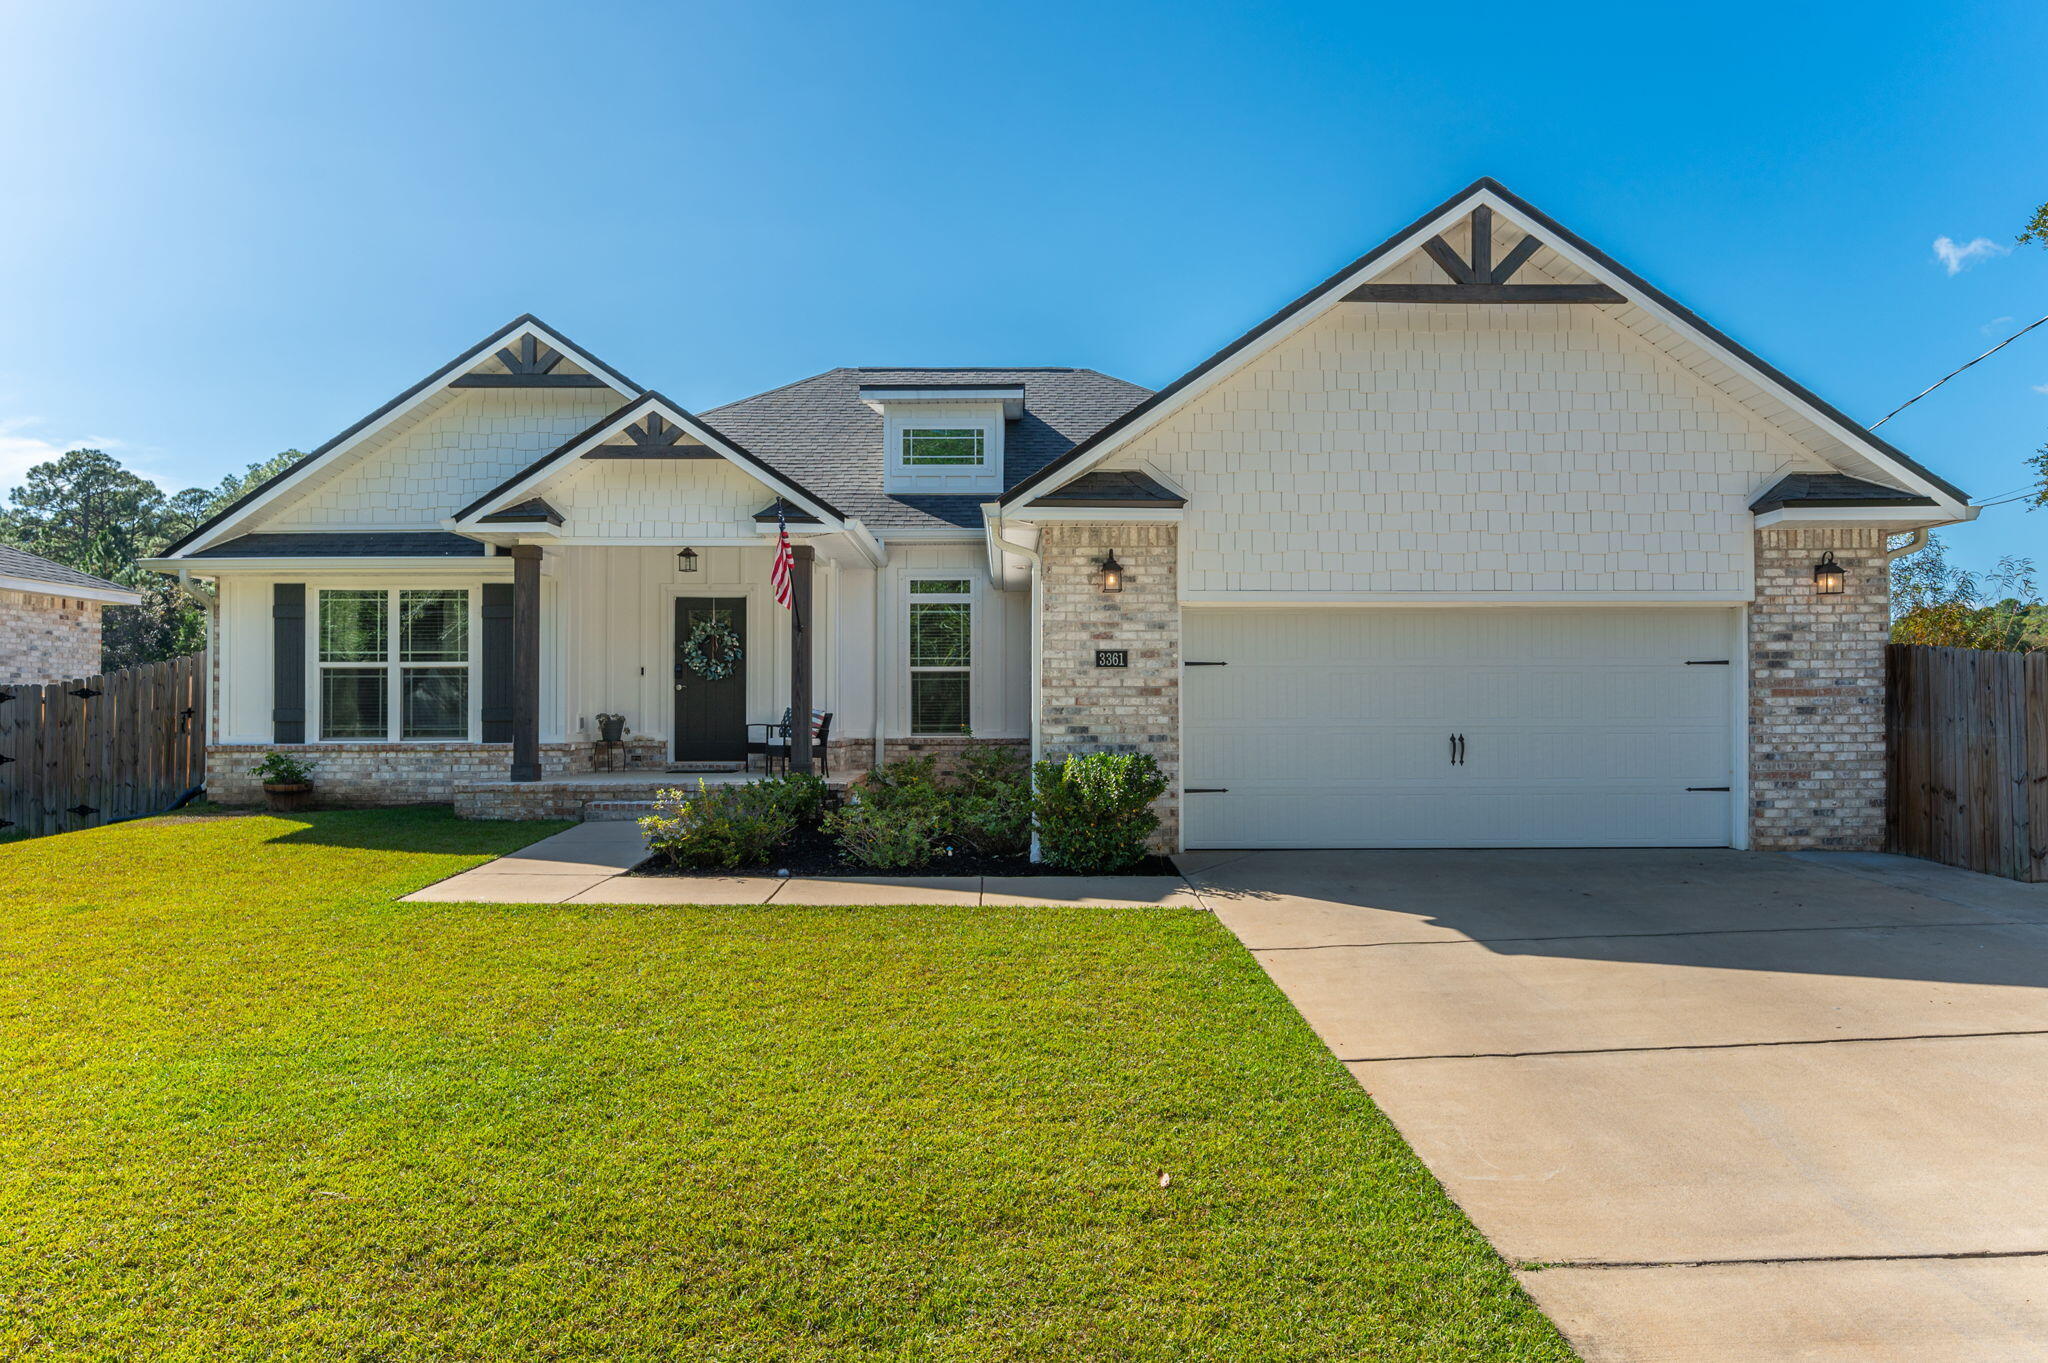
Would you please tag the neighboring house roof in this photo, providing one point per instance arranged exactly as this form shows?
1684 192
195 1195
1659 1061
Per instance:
1398 246
818 430
1832 489
347 544
21 571
1112 489
526 324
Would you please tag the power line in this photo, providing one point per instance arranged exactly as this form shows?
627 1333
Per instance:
1946 377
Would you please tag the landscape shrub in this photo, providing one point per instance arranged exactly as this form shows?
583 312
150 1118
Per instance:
282 769
801 794
719 826
886 837
1094 812
991 800
911 782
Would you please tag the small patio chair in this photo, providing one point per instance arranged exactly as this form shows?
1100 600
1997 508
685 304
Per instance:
775 742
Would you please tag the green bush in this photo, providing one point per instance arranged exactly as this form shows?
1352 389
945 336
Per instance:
883 837
282 769
991 800
911 783
722 826
800 794
1094 813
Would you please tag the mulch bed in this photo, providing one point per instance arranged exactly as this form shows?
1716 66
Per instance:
811 852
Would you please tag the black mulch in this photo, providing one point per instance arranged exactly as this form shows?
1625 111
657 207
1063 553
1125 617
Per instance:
811 852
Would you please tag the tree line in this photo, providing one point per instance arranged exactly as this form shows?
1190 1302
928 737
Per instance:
85 511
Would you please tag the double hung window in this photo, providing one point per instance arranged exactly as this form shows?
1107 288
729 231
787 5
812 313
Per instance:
395 664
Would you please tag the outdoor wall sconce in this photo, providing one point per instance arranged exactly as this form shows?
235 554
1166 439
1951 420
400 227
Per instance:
686 561
1112 573
1828 576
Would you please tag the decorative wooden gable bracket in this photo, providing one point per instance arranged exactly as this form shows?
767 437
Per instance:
655 438
1480 280
531 366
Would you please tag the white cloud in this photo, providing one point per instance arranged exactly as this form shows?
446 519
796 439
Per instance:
1991 327
21 449
2041 387
1960 258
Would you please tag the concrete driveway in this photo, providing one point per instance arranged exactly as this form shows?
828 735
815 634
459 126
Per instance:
1715 1106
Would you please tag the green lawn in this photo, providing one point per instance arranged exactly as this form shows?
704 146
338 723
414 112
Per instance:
251 1107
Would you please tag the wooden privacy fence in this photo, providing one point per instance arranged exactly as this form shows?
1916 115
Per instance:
1968 752
79 753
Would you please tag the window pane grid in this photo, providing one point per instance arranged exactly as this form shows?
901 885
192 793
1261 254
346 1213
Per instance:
941 656
944 445
362 695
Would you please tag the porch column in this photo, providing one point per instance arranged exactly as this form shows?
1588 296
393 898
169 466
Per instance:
800 657
525 662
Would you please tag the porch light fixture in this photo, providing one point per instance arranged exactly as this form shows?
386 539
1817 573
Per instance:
1112 573
686 561
1828 576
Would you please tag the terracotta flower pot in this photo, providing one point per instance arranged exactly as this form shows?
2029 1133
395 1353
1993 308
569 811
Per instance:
283 797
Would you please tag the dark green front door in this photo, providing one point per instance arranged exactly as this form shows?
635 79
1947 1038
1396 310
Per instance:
711 710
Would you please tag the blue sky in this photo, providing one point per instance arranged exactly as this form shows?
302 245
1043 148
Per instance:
231 229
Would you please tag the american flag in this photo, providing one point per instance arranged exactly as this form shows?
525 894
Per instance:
778 576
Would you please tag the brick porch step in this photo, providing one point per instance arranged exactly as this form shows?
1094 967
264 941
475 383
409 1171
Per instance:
607 811
705 767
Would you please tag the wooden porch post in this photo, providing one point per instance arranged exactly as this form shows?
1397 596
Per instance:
525 662
800 657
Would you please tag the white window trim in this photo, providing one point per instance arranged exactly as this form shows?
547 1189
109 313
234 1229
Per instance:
913 599
394 669
984 478
905 434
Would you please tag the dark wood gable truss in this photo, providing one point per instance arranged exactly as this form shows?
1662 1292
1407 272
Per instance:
1480 279
532 365
655 438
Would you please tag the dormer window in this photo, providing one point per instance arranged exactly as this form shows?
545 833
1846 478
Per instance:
948 446
944 438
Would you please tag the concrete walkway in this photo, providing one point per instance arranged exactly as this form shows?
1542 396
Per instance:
1715 1106
586 864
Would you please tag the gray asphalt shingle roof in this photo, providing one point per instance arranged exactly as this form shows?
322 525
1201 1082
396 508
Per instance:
1833 489
819 432
346 544
35 568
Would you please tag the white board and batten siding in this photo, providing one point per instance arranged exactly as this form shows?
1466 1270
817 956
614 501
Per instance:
1337 727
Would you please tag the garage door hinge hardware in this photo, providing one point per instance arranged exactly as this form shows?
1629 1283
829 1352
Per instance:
1185 664
1205 790
1706 662
1706 787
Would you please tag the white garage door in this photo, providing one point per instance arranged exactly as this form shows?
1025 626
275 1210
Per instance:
1339 727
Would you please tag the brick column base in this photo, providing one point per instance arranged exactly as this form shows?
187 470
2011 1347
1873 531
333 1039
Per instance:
1135 708
1816 691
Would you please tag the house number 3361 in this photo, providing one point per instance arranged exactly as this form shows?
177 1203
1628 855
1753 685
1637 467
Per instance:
1112 657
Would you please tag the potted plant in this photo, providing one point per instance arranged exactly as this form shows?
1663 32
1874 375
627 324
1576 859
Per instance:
287 781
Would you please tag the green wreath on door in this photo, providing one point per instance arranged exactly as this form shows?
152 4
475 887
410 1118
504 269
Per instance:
713 650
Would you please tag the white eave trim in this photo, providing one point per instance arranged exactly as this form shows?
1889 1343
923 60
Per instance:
461 366
488 565
1011 396
1254 598
35 586
1905 517
566 457
1095 515
1406 246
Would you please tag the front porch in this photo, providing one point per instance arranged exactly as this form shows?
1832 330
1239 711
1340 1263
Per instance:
592 796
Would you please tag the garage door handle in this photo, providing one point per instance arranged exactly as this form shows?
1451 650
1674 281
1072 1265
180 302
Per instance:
1205 790
1457 750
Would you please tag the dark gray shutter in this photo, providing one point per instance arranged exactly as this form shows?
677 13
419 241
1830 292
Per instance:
288 662
497 662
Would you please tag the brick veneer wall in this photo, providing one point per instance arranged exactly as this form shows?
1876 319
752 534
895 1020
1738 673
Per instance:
1816 691
1085 708
853 755
397 773
48 638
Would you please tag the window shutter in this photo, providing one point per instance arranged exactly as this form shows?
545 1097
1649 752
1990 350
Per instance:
288 662
495 670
